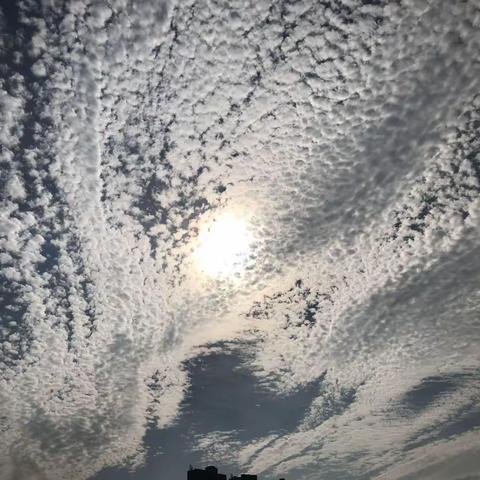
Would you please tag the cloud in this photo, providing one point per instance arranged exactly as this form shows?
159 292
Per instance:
345 134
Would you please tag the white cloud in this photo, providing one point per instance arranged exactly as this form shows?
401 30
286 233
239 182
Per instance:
346 134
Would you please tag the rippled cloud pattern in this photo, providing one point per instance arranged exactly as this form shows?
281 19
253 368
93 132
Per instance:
344 134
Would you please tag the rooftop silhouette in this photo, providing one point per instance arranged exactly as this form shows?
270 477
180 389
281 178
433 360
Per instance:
211 473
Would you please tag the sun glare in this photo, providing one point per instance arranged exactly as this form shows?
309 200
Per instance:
224 246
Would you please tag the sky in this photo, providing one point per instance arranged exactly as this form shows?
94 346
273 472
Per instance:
242 233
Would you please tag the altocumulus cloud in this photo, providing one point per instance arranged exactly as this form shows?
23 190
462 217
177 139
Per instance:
344 131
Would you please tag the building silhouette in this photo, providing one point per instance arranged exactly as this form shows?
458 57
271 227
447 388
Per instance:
211 473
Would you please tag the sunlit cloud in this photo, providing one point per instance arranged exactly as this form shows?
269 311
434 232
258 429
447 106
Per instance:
224 246
301 178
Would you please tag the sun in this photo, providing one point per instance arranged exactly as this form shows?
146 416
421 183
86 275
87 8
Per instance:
224 246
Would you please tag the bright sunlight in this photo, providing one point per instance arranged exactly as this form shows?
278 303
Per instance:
224 246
